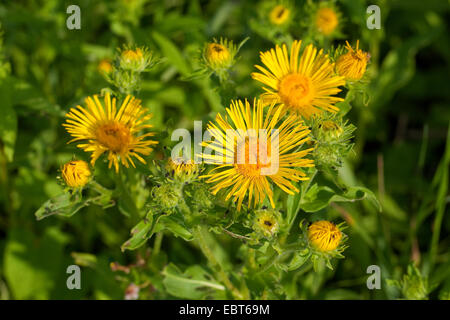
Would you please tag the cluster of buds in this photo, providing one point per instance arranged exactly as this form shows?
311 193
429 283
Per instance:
413 285
331 138
166 197
124 72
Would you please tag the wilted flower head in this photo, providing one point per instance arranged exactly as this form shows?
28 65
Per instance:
76 173
352 65
266 222
132 292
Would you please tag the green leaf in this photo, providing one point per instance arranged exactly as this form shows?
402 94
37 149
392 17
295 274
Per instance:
65 204
171 52
299 259
142 232
318 198
175 226
33 265
194 283
8 120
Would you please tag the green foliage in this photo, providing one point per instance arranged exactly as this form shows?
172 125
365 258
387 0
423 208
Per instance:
384 169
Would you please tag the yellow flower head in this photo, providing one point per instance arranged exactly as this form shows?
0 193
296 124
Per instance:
218 55
132 55
279 15
106 129
135 59
182 169
326 20
105 66
76 173
352 65
243 145
305 85
324 235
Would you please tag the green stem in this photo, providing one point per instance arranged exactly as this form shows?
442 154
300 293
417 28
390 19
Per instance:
100 189
291 223
157 244
199 233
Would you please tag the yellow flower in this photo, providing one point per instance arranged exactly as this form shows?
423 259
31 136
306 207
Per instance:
352 65
105 66
279 15
132 55
305 85
136 60
218 55
253 173
76 173
324 235
326 20
106 129
184 170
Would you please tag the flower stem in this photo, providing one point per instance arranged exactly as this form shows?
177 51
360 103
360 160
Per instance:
199 233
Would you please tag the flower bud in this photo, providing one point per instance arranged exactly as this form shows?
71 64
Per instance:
324 235
352 65
76 173
266 222
279 15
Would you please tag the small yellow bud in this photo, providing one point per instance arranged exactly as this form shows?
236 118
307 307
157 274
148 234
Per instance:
184 170
136 60
218 55
330 129
326 20
76 173
279 15
105 66
324 235
352 65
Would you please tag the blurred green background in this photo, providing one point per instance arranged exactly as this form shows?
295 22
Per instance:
402 149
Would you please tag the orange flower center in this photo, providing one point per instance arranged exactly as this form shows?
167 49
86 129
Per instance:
114 136
296 90
250 164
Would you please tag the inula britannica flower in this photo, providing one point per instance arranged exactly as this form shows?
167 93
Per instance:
306 85
103 128
253 177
